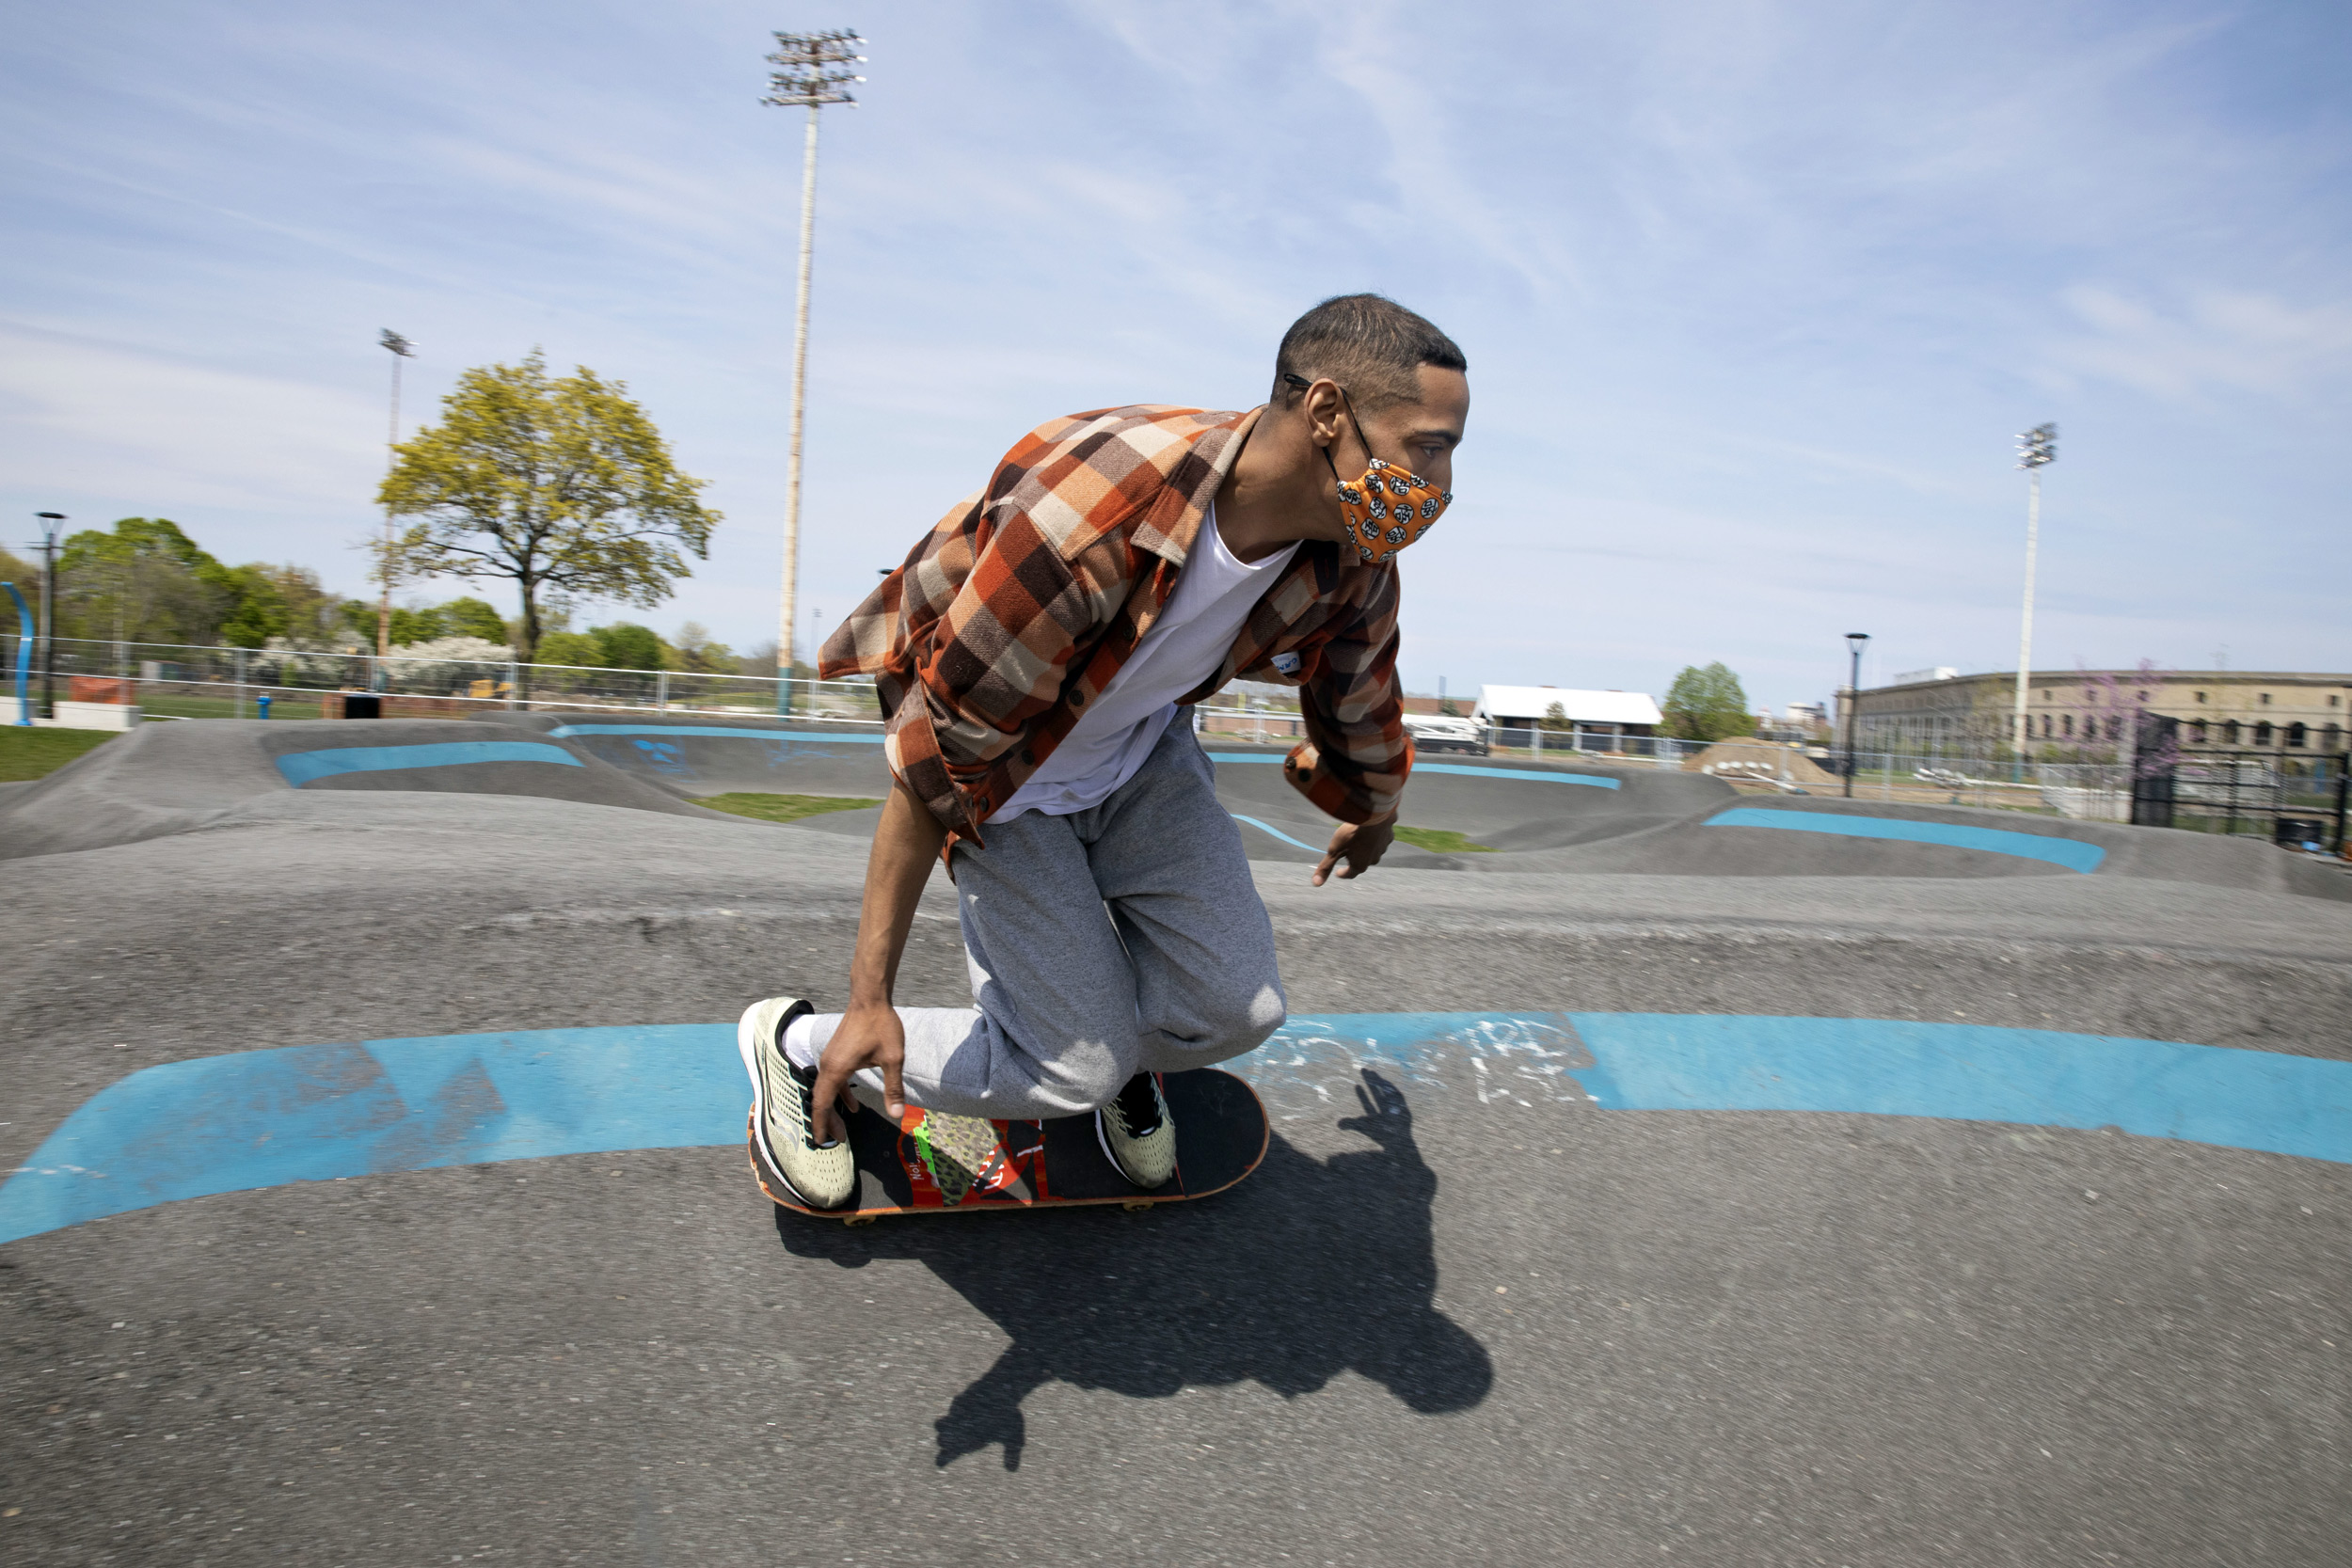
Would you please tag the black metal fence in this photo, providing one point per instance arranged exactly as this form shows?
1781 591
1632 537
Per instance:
2299 801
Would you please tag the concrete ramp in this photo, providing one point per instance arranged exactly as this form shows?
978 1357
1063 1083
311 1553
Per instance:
1886 1185
1574 819
1585 819
701 754
164 778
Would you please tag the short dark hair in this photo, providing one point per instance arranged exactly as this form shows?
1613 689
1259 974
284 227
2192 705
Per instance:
1368 344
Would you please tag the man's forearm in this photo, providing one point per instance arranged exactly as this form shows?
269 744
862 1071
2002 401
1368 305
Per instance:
906 843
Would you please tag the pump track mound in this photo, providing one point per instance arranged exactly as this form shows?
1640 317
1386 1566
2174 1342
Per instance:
1687 1176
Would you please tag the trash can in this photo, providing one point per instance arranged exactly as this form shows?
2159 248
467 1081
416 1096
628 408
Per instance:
362 705
2299 832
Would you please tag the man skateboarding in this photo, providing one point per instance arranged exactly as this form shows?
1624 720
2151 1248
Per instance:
1036 659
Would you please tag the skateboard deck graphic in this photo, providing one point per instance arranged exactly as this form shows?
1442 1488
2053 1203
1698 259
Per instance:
1221 1137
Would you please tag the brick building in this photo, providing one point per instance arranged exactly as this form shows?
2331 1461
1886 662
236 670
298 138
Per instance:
2090 710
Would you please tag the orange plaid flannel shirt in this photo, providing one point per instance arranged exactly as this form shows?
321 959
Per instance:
1019 607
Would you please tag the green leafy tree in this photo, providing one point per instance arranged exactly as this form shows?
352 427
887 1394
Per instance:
473 618
26 577
559 485
694 651
625 646
312 615
1706 704
258 611
571 647
147 581
16 569
1556 720
410 625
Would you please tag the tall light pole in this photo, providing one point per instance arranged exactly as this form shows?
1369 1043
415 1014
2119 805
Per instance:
809 74
2035 449
1854 640
402 349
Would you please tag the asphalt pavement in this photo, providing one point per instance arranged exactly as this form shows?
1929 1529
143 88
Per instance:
1526 1277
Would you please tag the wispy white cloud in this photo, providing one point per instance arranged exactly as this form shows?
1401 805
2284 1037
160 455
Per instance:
1754 291
2215 342
82 411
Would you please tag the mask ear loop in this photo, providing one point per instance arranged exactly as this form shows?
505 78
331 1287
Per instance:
1292 378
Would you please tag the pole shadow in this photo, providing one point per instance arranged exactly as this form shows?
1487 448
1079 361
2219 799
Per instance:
1307 1270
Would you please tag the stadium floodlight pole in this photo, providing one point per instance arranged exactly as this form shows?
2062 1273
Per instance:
809 74
1853 701
49 521
402 349
2035 449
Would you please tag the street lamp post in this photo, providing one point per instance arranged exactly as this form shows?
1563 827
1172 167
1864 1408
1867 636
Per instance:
809 74
402 349
1854 640
2035 449
49 521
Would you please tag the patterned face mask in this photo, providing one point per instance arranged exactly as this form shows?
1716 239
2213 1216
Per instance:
1388 508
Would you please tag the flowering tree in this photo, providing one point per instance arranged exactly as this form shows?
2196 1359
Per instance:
559 485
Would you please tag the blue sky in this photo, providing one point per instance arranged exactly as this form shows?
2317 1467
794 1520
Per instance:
1756 294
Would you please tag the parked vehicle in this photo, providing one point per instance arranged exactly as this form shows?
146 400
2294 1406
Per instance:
1443 733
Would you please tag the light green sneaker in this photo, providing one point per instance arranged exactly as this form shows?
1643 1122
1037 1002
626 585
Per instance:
1137 1135
823 1176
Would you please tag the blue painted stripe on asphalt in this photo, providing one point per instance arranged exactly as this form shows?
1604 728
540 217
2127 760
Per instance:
300 767
2071 853
263 1119
2256 1099
1265 828
1452 768
1514 773
567 731
2204 1094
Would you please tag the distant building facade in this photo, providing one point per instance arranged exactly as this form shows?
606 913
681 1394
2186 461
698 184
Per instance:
2091 710
1796 721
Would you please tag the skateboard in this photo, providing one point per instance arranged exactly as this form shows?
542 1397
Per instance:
1221 1135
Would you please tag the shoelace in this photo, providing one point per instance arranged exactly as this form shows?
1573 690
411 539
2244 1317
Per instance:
801 1109
1137 1107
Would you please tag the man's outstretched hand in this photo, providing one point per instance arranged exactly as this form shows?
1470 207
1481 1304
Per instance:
1361 844
868 1037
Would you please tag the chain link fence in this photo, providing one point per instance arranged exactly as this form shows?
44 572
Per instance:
172 681
2299 800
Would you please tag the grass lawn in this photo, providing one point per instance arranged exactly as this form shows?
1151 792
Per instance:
782 808
1445 841
33 753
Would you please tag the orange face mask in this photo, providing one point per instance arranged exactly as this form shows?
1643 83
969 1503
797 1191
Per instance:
1388 508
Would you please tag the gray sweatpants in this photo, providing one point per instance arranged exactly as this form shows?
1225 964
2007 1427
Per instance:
1121 938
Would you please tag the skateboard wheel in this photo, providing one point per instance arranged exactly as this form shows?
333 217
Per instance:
1135 1207
859 1219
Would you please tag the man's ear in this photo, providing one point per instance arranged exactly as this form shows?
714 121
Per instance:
1324 408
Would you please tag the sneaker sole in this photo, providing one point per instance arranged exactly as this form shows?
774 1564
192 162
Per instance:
747 1045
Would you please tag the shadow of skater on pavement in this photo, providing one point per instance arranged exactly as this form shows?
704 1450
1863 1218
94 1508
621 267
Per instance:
1309 1268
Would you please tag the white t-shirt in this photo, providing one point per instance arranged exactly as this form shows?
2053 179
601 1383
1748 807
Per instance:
1186 646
